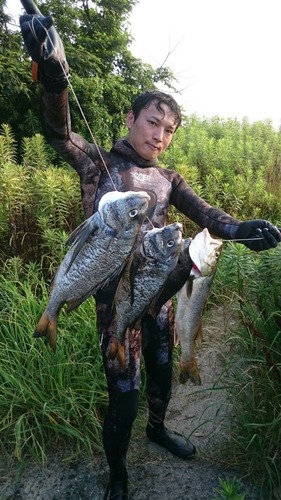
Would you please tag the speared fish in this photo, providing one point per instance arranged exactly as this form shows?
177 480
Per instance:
192 298
98 251
142 280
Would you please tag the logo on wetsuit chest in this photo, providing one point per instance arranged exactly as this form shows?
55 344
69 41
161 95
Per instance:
139 176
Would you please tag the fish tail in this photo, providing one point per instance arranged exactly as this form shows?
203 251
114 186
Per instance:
117 350
47 327
189 371
199 335
121 356
113 349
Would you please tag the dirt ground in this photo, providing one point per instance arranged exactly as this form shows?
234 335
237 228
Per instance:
201 413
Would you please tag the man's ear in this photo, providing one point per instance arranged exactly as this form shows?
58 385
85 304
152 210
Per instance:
130 118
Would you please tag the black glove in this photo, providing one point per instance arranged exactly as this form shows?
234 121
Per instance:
270 235
44 47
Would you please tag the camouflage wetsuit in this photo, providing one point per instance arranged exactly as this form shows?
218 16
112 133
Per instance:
130 172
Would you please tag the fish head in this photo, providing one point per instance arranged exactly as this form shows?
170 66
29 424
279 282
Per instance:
163 243
205 252
124 211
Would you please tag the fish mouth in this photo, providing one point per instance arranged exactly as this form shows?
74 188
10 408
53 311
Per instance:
175 231
172 233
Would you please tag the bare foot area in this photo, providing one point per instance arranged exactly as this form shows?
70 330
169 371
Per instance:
201 413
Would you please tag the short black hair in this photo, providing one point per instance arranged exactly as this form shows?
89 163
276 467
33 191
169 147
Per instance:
158 98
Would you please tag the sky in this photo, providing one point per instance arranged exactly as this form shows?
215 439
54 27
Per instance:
226 54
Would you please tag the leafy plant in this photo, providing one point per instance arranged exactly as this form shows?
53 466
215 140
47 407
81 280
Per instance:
35 197
229 490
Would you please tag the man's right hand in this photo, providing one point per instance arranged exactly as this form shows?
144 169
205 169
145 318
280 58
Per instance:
44 47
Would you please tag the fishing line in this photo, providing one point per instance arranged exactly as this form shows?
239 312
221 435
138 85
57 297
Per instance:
243 239
31 25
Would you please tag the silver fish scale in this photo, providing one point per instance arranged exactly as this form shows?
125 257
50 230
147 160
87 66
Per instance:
100 258
149 279
90 270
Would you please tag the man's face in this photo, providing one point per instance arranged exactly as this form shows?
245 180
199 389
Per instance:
151 133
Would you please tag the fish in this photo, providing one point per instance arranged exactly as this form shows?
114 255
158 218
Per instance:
99 247
176 279
204 251
142 280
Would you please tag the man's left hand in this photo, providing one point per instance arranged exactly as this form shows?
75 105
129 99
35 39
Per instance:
258 235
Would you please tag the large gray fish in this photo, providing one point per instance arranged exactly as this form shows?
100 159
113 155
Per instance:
191 301
143 278
99 249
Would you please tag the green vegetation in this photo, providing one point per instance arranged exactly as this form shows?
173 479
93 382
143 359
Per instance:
104 73
253 372
46 398
229 490
59 398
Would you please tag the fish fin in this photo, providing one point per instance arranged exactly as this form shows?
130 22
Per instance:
134 264
73 304
176 337
121 355
113 349
155 306
47 327
199 335
115 274
117 350
189 286
137 324
189 371
126 273
80 235
86 228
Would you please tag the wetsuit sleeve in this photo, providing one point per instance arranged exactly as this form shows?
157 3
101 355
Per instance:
57 128
218 222
74 149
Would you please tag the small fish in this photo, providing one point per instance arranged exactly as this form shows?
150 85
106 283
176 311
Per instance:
143 279
98 251
192 298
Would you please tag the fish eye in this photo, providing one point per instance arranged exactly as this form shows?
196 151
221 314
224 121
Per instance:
133 213
170 243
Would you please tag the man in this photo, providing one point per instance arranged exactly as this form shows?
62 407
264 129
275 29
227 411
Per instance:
130 165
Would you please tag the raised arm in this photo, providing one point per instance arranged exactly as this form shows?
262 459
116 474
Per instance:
50 68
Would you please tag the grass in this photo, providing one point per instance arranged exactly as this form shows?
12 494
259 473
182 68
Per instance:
60 398
47 397
255 366
229 490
